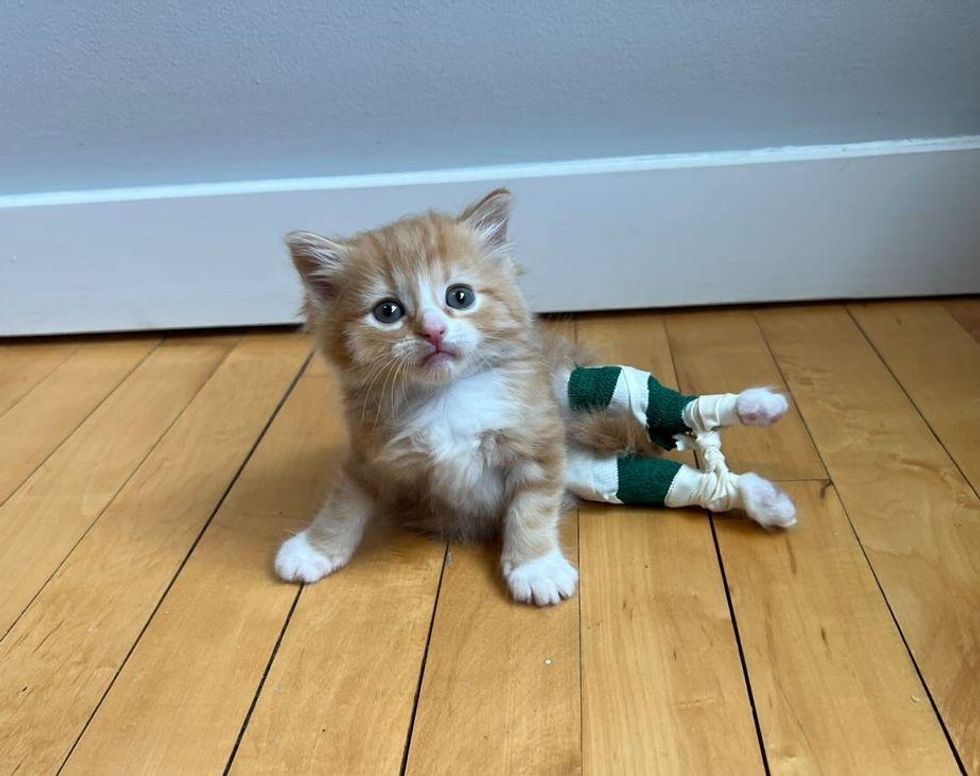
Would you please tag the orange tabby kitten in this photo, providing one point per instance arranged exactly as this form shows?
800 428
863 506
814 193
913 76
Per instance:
458 411
454 426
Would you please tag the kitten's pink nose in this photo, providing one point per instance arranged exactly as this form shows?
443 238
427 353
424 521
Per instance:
433 330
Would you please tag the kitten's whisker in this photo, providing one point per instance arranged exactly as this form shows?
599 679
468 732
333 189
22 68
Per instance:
366 393
399 383
384 387
395 385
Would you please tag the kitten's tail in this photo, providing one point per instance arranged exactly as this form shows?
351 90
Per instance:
609 435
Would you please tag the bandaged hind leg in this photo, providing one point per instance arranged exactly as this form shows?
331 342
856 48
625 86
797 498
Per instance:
664 413
751 407
660 482
625 389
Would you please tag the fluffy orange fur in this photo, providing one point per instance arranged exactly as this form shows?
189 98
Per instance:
465 444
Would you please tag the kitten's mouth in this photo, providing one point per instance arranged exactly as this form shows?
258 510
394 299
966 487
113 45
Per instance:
438 357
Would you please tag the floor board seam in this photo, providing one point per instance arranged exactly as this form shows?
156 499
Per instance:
82 420
871 568
908 648
446 559
907 395
760 740
111 501
221 500
741 650
261 685
43 377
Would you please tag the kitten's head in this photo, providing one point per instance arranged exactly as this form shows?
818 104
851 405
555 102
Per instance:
424 300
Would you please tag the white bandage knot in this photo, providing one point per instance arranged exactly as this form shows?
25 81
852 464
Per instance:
717 487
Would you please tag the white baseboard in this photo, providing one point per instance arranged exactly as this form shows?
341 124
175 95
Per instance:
866 220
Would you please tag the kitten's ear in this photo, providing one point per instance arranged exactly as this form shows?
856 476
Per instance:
489 216
318 261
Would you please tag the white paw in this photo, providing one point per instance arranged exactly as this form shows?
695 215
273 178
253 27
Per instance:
765 503
543 581
760 406
298 561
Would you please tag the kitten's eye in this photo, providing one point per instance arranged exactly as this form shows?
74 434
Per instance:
388 311
460 297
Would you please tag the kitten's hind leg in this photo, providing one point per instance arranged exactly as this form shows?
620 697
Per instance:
661 482
330 541
628 391
752 407
662 411
717 491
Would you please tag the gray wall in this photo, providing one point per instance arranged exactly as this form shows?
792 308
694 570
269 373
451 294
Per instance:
97 94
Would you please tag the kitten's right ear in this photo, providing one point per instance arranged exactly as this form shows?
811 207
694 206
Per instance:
318 261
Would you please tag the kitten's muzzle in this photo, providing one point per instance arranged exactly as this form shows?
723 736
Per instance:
439 356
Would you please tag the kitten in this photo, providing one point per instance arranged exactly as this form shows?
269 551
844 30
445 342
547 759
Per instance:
462 418
453 423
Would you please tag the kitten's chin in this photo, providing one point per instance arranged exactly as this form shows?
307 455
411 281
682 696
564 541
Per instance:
437 360
438 368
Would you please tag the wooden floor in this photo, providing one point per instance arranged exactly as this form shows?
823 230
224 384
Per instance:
146 482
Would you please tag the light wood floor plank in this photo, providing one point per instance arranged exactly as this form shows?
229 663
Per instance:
724 352
938 364
501 692
339 696
24 364
46 416
663 689
60 657
834 687
833 684
634 339
180 701
914 513
967 312
49 513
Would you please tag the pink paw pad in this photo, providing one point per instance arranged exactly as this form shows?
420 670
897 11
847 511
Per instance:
760 406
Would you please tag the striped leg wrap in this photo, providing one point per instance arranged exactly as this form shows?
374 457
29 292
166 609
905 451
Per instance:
626 480
625 389
650 482
671 420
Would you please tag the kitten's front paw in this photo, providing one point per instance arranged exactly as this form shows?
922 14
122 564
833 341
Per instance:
543 581
760 406
298 561
765 503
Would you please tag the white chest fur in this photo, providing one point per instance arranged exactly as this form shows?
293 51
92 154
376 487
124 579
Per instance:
451 428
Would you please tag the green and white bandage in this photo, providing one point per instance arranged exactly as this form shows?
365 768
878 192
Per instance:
622 388
649 481
626 480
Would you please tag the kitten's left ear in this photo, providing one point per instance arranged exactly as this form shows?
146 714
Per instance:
489 217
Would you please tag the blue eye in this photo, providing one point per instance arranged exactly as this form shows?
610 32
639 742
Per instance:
389 311
460 297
